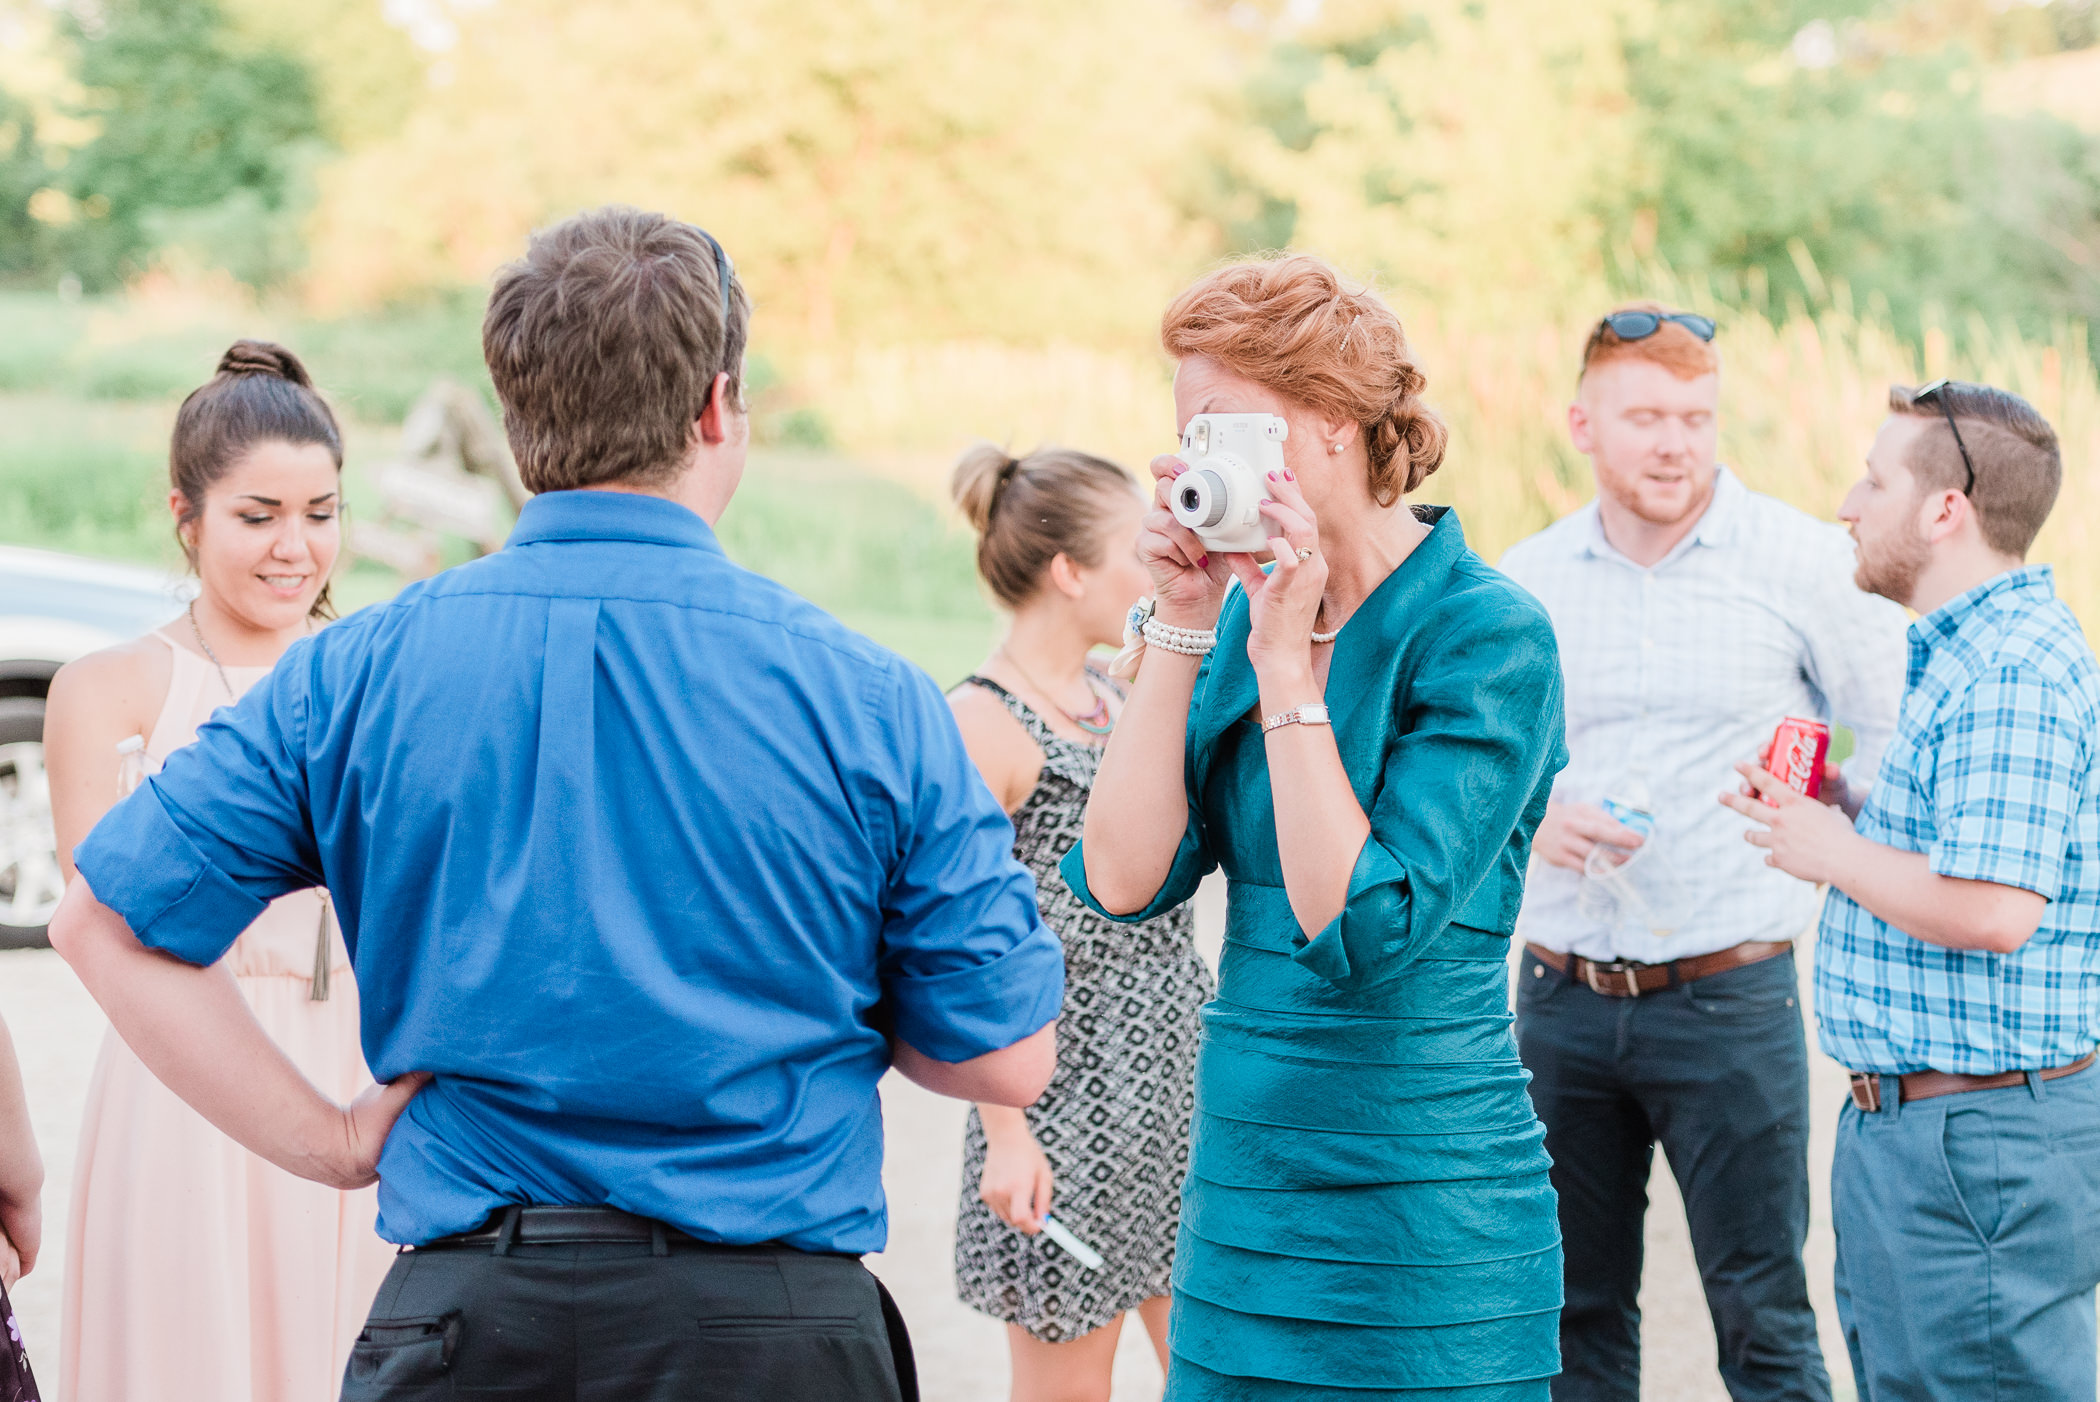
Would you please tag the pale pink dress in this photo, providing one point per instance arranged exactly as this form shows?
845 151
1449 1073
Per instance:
195 1271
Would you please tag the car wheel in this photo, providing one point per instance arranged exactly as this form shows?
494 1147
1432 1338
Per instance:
30 879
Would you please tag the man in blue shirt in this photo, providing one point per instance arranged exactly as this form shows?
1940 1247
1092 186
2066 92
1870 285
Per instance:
1958 963
648 869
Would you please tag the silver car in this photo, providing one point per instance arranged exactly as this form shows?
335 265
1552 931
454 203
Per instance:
53 608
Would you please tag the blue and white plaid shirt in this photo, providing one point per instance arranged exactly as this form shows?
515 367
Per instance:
1990 775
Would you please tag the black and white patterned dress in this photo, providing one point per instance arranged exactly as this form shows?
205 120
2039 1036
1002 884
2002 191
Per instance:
1115 1121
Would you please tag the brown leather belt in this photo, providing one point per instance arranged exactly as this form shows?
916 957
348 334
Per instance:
1870 1092
1624 978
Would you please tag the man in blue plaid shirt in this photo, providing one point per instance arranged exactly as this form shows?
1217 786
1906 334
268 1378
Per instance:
1958 964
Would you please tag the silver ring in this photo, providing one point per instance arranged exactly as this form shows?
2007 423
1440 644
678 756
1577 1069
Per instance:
1304 553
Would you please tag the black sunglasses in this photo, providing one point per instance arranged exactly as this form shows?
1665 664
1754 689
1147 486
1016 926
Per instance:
1933 394
725 274
1639 326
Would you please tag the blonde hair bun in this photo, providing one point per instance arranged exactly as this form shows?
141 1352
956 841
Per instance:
1027 511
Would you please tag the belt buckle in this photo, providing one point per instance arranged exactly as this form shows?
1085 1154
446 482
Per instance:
1866 1091
1591 968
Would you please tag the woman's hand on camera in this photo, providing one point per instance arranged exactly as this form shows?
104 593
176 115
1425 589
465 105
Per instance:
1284 604
1187 579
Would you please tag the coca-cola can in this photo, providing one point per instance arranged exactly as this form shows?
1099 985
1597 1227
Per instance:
1799 748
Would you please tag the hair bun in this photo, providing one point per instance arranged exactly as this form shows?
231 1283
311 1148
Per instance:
264 358
980 477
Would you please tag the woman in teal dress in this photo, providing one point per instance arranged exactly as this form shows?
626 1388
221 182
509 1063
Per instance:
1367 1213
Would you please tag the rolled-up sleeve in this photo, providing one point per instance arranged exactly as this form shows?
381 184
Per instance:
1478 740
192 857
2009 777
967 965
1192 862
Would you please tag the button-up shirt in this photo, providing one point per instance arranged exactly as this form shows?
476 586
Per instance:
1991 776
1679 671
641 854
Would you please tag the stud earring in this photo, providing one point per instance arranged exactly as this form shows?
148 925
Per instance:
1336 449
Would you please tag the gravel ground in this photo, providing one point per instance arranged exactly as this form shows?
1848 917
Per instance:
962 1355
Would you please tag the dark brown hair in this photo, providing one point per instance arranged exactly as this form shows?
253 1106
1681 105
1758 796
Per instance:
1293 324
1028 511
261 394
1672 346
2019 467
604 341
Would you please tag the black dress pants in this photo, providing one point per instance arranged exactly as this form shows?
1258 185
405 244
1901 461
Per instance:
1717 1071
616 1322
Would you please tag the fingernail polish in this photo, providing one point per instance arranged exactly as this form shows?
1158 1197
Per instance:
1272 477
1204 563
1289 476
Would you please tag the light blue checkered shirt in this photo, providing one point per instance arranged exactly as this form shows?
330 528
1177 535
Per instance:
1991 775
1682 670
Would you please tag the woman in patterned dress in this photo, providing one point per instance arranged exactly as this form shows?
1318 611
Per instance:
1104 1150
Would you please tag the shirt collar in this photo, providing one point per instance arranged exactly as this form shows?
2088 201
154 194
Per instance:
1716 524
589 515
2029 586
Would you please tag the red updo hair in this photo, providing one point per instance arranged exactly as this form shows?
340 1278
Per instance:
1294 324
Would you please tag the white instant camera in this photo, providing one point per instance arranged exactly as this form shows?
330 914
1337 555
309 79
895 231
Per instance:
1230 457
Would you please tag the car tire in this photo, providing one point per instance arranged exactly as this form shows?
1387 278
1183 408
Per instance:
27 844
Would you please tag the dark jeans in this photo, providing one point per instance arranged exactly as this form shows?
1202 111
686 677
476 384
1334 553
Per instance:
1967 1244
1717 1071
617 1323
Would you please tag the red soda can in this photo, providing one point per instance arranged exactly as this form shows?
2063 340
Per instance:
1799 748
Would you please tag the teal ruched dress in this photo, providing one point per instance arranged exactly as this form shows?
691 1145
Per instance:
1367 1213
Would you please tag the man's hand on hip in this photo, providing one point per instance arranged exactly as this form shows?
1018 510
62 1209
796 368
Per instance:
350 1158
197 1035
1570 830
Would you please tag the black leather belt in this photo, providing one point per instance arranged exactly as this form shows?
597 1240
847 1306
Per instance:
545 1226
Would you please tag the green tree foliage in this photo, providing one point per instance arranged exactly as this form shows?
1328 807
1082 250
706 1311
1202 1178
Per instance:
201 142
1524 155
1787 148
24 170
1447 146
912 170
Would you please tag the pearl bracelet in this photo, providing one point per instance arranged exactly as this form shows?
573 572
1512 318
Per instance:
1141 630
1189 642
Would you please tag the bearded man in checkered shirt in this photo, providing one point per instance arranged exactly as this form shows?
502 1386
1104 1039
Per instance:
1693 615
1958 963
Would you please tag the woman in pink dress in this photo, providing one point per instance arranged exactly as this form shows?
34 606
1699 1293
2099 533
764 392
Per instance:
195 1271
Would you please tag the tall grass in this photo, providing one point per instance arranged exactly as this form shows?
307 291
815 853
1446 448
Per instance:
87 391
1801 399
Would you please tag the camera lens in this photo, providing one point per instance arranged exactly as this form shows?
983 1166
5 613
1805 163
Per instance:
1200 498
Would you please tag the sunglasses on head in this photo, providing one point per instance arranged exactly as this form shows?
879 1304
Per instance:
725 273
1639 326
1935 395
